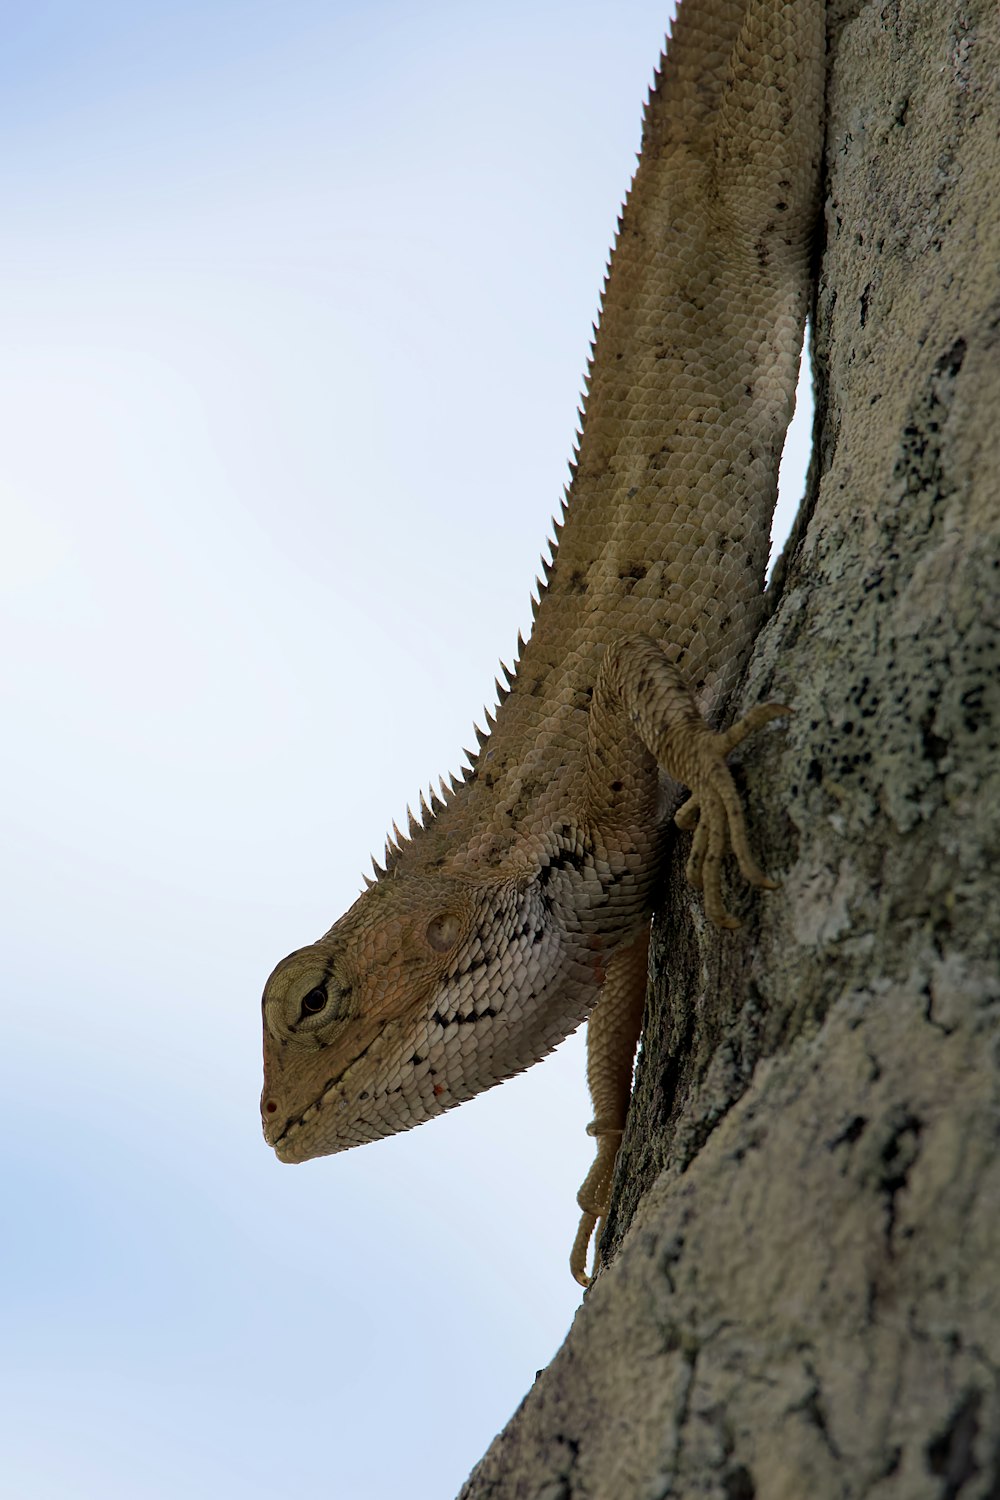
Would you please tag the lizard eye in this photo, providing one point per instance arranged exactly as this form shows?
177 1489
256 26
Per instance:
314 1002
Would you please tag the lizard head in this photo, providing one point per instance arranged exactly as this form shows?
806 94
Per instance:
428 990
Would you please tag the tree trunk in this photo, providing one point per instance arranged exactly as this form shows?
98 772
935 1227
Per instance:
803 1298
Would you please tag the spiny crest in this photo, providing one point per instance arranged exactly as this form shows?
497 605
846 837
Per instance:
436 801
395 843
430 805
595 327
393 849
654 87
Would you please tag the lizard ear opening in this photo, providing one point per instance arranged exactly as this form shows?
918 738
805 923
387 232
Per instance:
443 931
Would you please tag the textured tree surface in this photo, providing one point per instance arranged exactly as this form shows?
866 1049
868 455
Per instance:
804 1291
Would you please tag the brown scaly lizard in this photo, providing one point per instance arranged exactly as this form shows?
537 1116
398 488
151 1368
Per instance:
520 901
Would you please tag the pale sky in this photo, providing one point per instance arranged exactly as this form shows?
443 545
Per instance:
296 302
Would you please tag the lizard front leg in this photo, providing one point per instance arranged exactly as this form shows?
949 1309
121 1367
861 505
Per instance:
645 708
643 715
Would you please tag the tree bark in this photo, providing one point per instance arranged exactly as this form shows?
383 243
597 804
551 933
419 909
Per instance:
803 1295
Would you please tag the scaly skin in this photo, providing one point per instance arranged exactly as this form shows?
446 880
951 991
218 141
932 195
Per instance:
498 920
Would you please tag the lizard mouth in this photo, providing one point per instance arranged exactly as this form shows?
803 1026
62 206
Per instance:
289 1136
285 1144
286 1138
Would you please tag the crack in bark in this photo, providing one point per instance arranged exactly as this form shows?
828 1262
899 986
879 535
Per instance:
813 1408
663 1485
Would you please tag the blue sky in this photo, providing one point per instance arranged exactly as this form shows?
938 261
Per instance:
296 303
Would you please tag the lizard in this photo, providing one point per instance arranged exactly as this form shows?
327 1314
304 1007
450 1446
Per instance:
519 901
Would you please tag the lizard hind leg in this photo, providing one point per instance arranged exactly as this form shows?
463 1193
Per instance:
612 1036
637 684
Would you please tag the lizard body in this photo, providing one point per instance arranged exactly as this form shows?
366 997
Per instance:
522 898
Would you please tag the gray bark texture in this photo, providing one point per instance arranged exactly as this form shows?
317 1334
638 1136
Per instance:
803 1290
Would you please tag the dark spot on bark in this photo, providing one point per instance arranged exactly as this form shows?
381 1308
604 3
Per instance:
891 1463
898 1155
920 470
951 362
975 713
737 1484
951 1454
850 1133
935 748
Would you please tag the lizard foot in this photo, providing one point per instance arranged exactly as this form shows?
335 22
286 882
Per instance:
593 1198
637 677
715 814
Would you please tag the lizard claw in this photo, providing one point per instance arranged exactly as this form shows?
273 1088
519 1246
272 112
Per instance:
593 1198
578 1254
754 719
715 813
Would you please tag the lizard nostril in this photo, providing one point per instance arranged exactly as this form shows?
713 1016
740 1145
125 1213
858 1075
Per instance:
270 1106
